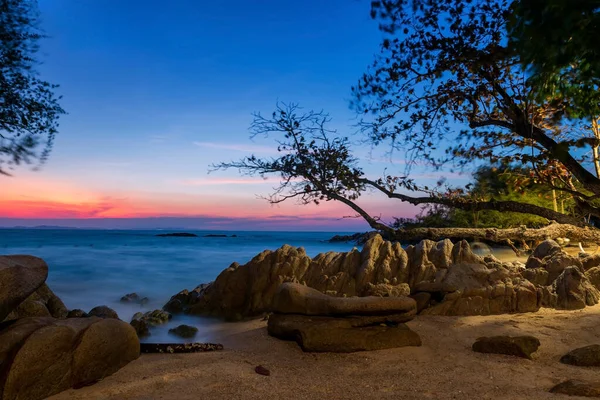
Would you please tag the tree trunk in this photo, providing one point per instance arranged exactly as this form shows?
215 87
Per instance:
502 236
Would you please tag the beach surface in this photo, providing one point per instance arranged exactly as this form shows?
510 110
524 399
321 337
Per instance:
445 367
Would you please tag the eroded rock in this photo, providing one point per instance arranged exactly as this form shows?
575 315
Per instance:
574 290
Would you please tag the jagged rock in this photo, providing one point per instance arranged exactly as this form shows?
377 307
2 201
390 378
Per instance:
556 263
339 335
44 356
386 290
588 356
462 254
293 298
537 276
520 346
590 261
184 331
77 313
103 312
548 297
546 248
593 275
20 276
574 291
577 388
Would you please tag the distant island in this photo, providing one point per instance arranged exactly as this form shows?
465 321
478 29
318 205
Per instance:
177 234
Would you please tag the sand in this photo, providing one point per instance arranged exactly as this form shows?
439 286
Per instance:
445 367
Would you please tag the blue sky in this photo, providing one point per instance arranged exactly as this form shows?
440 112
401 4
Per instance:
157 91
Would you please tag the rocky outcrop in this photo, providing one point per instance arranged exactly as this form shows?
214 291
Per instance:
20 277
321 323
41 303
44 356
519 346
574 290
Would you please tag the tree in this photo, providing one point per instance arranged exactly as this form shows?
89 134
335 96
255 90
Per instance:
29 109
556 41
448 91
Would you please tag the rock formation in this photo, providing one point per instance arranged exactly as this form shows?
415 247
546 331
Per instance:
321 323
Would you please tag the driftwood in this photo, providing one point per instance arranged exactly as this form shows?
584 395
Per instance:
179 347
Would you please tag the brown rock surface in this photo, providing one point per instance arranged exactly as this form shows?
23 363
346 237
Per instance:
588 356
20 276
577 388
574 290
520 346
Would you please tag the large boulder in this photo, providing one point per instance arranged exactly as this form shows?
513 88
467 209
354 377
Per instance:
41 303
293 298
340 335
43 356
20 276
574 290
546 248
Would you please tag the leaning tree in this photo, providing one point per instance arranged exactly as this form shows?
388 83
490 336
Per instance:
448 91
29 108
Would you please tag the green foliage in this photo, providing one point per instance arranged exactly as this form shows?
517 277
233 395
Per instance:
29 109
557 41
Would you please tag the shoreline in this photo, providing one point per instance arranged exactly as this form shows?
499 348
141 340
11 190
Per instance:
427 372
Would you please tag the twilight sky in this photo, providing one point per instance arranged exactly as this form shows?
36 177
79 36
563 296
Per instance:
157 91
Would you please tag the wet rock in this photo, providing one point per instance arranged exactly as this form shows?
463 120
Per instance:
546 248
577 388
44 356
77 313
574 290
130 298
520 346
338 335
103 312
262 370
20 277
184 331
141 327
588 356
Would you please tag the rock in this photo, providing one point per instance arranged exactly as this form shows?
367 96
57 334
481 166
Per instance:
177 234
588 356
534 263
172 348
20 276
593 275
537 276
153 318
41 303
422 299
330 334
574 290
462 254
103 312
548 297
520 346
293 298
44 356
556 263
141 327
546 248
577 388
77 313
387 290
130 298
262 370
590 261
184 331
183 300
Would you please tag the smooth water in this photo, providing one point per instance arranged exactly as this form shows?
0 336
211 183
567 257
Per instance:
88 268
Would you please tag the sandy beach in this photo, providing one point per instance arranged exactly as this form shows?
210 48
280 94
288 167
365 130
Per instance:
445 367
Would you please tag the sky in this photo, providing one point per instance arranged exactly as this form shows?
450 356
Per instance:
158 91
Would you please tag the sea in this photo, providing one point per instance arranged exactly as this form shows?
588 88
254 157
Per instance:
88 268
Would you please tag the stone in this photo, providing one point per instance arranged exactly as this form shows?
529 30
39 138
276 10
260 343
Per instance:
44 356
590 261
338 335
103 312
184 331
520 346
534 263
577 388
537 276
293 298
574 291
546 248
77 313
20 276
463 254
387 290
556 263
593 275
41 303
262 370
422 299
588 356
153 318
130 298
141 327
